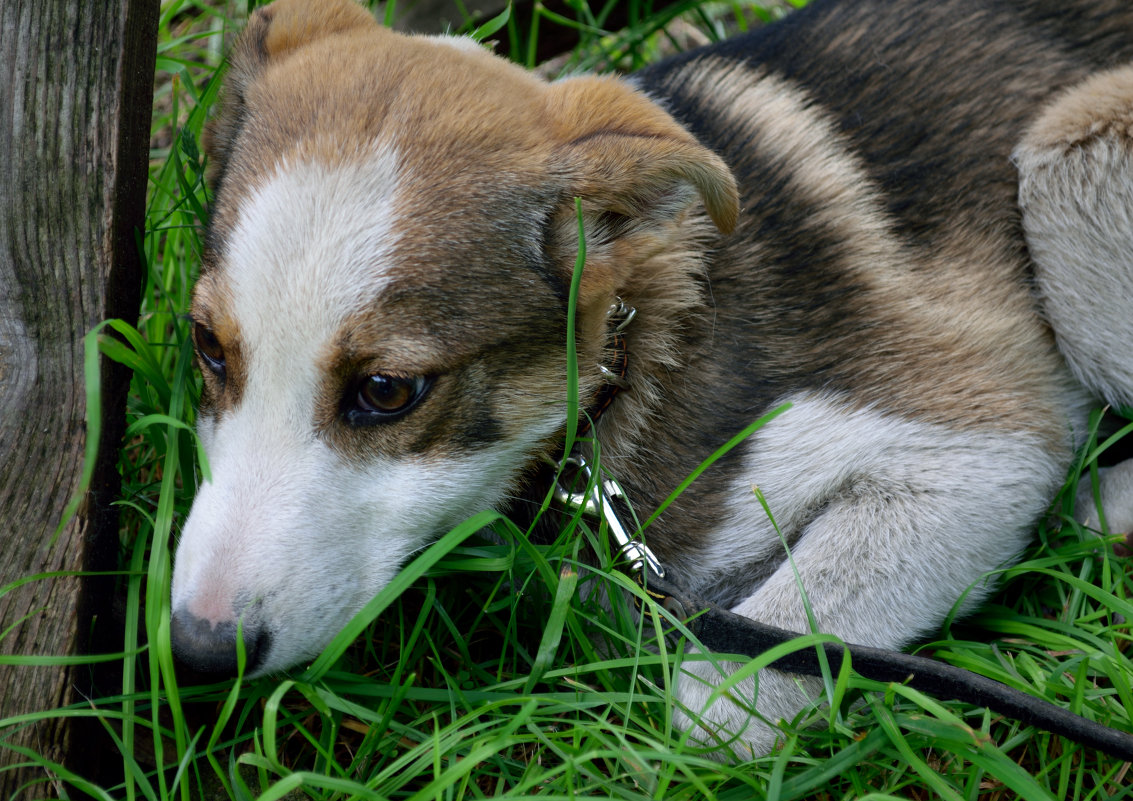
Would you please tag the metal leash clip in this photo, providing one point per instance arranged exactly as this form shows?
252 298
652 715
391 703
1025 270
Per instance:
598 502
620 314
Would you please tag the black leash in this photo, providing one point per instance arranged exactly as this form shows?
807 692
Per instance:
725 632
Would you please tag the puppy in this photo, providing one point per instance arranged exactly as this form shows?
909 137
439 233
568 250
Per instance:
909 220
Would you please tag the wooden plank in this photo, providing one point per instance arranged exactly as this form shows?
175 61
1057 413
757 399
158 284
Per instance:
75 99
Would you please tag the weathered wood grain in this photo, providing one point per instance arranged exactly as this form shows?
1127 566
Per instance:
76 80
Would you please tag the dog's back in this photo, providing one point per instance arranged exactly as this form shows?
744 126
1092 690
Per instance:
932 97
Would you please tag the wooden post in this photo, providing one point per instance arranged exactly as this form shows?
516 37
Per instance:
76 82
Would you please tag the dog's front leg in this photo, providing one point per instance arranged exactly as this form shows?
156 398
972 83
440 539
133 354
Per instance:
900 537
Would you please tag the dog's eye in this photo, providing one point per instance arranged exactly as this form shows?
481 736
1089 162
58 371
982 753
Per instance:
209 348
381 398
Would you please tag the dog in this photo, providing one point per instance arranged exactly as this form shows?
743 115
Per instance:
910 221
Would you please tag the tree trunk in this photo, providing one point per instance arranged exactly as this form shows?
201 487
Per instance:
75 101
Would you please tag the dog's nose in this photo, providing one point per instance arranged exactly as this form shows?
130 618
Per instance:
207 648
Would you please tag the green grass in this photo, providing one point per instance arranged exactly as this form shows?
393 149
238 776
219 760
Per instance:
490 672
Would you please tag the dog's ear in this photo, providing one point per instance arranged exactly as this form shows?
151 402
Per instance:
626 155
637 171
272 32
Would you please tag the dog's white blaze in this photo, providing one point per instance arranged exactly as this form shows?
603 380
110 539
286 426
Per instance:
289 534
310 249
895 521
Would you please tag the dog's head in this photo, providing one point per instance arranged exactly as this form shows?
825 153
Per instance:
381 312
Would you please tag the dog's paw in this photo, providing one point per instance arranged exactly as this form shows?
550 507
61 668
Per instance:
1115 490
742 716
